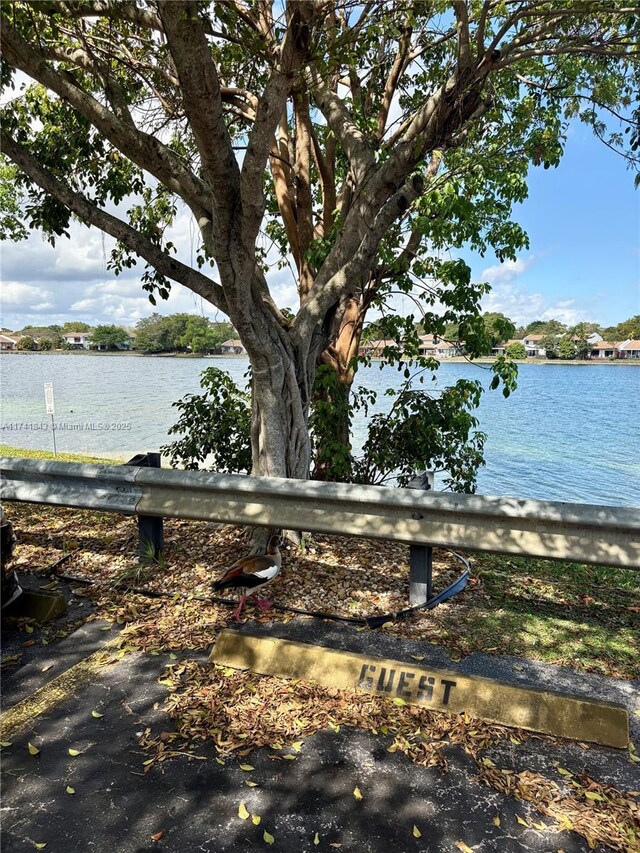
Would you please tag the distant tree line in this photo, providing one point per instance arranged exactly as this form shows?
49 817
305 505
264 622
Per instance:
174 333
193 333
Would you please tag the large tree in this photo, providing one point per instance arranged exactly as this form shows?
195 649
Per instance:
361 137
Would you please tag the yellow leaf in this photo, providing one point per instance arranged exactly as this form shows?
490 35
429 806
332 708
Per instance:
539 826
398 701
418 657
463 847
496 821
520 821
488 762
289 757
316 839
357 793
28 629
247 768
416 832
33 750
387 625
5 743
220 761
634 758
96 714
40 846
250 784
268 837
515 740
70 790
564 772
74 752
297 745
591 795
255 819
242 811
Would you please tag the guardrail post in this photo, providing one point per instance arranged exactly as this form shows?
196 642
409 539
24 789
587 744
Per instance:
421 556
150 527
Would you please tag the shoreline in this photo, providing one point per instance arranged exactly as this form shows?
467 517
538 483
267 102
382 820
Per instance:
455 359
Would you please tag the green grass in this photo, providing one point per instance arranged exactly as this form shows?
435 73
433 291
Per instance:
22 452
587 617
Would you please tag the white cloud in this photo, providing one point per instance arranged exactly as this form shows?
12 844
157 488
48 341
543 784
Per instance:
512 297
19 293
506 271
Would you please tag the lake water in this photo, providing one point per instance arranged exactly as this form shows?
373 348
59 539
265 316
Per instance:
569 432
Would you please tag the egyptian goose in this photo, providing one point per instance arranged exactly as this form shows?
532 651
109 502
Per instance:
252 573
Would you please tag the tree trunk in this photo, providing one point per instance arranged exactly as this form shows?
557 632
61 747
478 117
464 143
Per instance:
332 394
279 431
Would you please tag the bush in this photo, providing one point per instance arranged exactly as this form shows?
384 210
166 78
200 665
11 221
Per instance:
516 351
216 423
26 343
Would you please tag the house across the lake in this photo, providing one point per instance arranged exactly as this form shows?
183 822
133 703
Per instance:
430 345
233 346
77 340
435 346
8 340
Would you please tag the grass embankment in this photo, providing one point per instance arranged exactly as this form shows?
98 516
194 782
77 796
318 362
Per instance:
7 450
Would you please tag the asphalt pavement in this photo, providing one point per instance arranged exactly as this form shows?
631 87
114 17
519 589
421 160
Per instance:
185 804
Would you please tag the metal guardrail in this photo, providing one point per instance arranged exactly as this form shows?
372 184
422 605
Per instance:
578 532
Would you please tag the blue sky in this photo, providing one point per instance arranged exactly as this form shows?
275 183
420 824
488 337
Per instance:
583 219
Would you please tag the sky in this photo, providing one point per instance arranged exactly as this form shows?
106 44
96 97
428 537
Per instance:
583 220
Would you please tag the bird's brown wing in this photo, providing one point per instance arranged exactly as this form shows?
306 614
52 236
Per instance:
250 573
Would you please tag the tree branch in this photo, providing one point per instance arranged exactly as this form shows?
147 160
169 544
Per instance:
141 148
294 47
341 124
304 203
92 215
399 64
202 100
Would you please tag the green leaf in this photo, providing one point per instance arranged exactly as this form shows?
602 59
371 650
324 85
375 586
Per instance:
33 750
268 837
247 768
